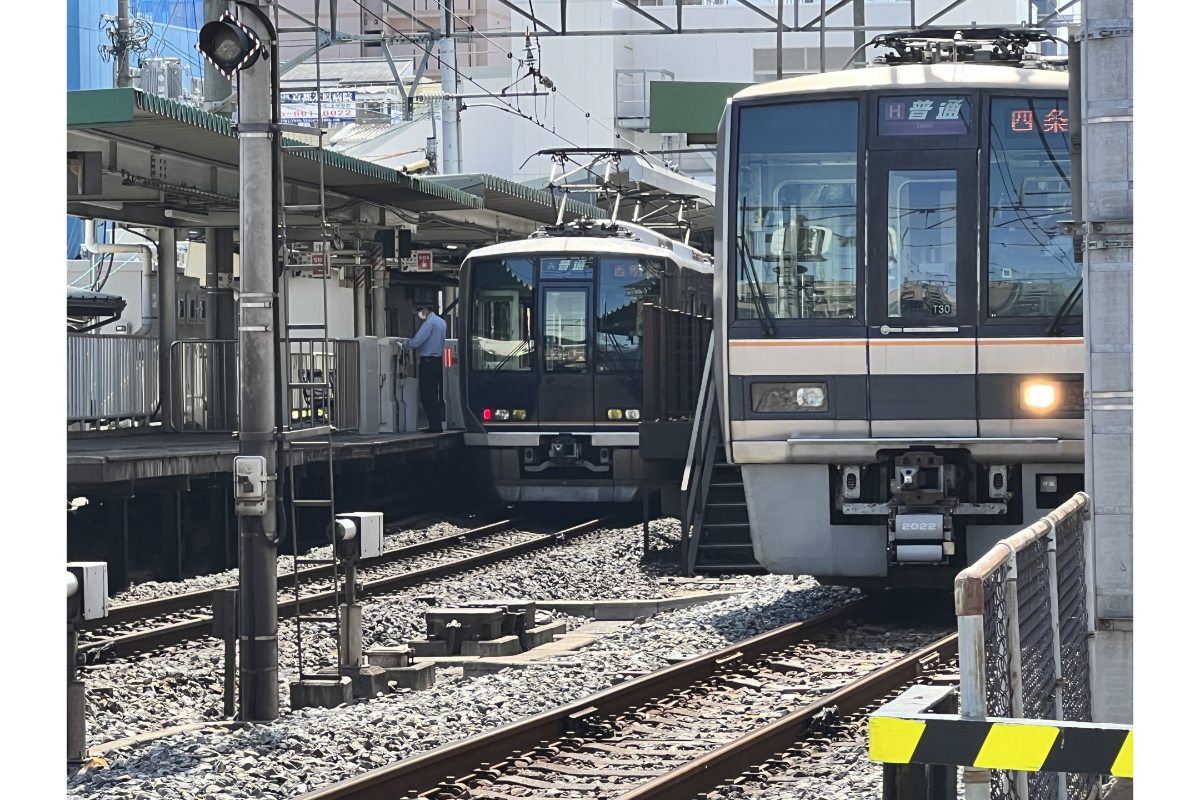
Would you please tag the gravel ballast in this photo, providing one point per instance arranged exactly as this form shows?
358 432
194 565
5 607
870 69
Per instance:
311 747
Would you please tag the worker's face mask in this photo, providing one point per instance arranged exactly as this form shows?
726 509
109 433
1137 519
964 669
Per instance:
423 314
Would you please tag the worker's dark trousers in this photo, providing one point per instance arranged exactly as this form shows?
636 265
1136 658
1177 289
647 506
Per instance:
430 377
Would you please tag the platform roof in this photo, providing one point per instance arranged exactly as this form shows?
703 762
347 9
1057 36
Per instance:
174 127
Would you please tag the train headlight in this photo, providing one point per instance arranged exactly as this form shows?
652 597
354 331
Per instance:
615 413
1040 395
784 398
811 397
633 413
503 414
519 413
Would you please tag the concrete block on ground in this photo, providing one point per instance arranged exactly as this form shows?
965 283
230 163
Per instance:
471 623
493 648
366 682
543 634
390 657
428 647
415 676
320 693
525 607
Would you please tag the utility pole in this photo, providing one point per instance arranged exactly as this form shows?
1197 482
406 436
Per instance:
451 142
121 46
258 524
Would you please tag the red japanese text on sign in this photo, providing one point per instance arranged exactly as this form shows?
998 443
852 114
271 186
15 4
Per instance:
1022 121
1054 122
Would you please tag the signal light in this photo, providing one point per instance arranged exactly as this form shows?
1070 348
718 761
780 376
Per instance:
229 45
615 413
519 413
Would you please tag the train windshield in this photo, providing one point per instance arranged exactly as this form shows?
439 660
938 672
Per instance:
796 243
1031 268
502 314
626 283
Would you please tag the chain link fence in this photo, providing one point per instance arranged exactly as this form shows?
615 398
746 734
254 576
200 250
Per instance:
1023 643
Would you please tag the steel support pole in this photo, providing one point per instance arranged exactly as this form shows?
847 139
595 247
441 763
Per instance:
379 284
451 141
76 703
972 670
860 35
779 42
167 317
258 666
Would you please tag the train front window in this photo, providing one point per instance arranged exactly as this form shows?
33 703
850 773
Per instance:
565 337
502 315
1031 267
922 245
795 253
625 285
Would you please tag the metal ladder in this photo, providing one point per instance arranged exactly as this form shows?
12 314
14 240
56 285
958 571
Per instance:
307 372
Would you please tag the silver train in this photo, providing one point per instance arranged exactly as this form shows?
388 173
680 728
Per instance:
899 355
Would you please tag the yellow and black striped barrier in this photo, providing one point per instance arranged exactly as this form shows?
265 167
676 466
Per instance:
1009 744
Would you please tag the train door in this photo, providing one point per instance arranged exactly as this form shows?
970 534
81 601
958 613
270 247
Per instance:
566 355
922 257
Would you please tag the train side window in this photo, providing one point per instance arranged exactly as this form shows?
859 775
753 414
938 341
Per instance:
1031 267
795 253
626 284
502 315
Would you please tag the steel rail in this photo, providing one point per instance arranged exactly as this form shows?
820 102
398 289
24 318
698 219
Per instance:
706 773
426 772
173 633
126 613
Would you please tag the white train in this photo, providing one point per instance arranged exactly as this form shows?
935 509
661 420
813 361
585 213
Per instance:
899 354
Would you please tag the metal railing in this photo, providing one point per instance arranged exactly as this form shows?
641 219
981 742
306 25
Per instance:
204 381
1023 643
112 380
697 471
631 88
333 397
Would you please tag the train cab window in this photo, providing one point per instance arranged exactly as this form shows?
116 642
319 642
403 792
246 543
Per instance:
922 245
565 330
625 285
795 253
1031 267
502 315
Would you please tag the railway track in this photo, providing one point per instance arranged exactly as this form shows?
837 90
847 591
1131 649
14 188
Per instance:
674 733
376 576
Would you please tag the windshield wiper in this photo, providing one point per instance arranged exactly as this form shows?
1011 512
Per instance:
760 299
515 350
1056 327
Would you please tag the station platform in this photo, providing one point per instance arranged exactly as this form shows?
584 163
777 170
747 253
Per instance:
140 456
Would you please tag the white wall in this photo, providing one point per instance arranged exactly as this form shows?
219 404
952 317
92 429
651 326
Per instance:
304 305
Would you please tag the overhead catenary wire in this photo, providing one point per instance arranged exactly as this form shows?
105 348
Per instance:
417 43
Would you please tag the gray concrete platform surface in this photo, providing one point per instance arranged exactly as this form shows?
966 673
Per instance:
137 456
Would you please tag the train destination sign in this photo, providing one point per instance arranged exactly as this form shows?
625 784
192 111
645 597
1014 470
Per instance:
915 115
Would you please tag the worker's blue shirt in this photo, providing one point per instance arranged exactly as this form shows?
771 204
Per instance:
431 338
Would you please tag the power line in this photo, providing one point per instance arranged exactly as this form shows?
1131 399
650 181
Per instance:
463 76
587 115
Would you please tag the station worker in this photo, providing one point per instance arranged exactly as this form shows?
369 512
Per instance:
429 343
